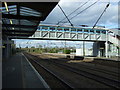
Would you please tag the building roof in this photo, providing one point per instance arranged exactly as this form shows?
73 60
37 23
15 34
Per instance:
20 19
116 31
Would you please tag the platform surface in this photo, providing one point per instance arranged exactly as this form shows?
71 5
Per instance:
18 73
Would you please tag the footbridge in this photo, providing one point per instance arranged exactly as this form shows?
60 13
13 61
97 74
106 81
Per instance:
75 33
104 39
21 21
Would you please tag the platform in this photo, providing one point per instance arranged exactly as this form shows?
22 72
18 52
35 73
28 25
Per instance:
17 72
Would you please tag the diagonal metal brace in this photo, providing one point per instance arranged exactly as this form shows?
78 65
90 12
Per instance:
60 35
45 34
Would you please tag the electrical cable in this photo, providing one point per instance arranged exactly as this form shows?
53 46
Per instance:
82 11
74 11
65 15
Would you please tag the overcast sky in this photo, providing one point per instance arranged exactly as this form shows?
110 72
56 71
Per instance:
88 17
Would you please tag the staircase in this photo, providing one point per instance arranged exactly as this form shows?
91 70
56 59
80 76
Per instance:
114 40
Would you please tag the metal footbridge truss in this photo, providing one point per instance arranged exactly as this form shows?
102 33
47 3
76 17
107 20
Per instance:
48 32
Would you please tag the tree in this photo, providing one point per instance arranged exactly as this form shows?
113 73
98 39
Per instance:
26 47
32 47
67 51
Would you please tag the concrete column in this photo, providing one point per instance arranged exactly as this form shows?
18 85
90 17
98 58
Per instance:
95 48
106 49
7 50
83 48
118 53
98 49
109 51
106 45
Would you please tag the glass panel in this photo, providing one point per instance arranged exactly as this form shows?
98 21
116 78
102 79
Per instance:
59 28
97 31
91 31
29 11
73 29
66 29
52 28
104 32
10 8
28 14
45 28
79 30
85 30
26 22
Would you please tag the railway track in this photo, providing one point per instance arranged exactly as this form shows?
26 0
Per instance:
112 73
67 86
107 81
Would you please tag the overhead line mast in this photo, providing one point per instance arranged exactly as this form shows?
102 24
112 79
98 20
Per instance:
74 11
65 15
101 14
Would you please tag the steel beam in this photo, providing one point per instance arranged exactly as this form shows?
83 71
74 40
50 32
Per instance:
10 16
23 31
19 26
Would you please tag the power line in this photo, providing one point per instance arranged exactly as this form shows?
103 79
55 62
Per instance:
74 11
65 15
82 11
101 14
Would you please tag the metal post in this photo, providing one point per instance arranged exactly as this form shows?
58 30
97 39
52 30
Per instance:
109 49
65 47
83 48
118 53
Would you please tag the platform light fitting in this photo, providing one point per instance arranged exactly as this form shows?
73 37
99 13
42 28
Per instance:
6 6
11 22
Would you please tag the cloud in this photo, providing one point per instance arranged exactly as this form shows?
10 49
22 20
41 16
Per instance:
51 43
89 16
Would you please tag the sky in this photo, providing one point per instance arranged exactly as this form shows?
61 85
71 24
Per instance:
88 17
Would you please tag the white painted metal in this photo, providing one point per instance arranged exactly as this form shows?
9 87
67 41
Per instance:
68 36
77 34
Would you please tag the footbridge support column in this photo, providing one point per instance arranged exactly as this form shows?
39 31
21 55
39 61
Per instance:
118 53
99 49
106 49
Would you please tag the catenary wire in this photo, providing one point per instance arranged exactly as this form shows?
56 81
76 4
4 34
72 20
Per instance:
65 15
82 11
74 11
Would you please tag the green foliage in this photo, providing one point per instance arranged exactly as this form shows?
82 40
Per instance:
66 51
32 47
53 50
48 50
